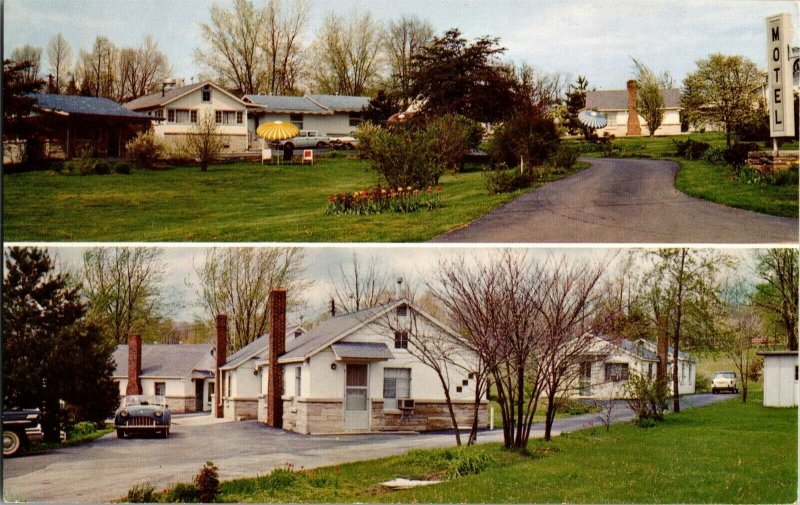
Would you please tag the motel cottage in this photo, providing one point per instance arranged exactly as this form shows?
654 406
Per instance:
619 106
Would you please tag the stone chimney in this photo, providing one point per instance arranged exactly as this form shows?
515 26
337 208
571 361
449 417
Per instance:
277 346
634 128
221 355
134 365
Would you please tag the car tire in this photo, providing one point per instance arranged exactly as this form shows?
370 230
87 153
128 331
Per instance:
289 145
120 433
12 443
321 145
713 391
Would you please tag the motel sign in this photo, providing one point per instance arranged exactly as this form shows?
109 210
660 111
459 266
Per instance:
779 68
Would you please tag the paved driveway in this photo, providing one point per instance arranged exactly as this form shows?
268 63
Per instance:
622 200
105 469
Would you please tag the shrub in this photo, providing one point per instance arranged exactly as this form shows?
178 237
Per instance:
452 136
714 155
405 156
182 492
690 149
102 167
736 154
563 158
531 137
756 369
788 177
507 180
145 149
123 167
467 463
207 483
646 397
141 493
607 146
572 407
702 383
82 428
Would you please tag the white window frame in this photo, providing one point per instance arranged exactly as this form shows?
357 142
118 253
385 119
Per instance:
298 381
395 376
155 388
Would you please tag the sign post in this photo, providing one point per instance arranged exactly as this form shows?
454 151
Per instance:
780 98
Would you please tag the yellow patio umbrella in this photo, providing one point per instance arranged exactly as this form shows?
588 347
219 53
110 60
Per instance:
277 130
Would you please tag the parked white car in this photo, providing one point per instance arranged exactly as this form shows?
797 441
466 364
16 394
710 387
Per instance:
306 139
724 381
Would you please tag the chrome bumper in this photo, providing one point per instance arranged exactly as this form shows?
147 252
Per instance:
34 434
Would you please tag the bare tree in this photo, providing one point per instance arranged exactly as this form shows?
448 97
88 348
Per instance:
360 285
777 295
348 54
122 285
140 70
736 339
281 46
569 306
97 70
33 56
204 142
59 54
404 39
237 282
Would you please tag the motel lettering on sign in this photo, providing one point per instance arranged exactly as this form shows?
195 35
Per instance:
780 76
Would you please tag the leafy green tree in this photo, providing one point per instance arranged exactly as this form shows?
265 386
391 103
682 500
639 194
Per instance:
777 294
50 352
16 104
649 100
722 91
381 107
575 101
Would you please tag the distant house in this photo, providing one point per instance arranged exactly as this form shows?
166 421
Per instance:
619 106
610 363
350 373
179 109
780 378
183 373
332 115
74 124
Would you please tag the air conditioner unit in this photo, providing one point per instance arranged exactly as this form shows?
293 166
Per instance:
405 404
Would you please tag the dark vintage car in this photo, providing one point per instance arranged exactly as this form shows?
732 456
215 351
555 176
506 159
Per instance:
143 414
21 428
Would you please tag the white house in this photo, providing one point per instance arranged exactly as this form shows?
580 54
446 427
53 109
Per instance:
332 115
183 373
182 106
619 107
780 378
242 377
610 363
352 373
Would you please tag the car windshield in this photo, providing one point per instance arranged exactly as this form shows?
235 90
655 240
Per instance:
724 375
144 400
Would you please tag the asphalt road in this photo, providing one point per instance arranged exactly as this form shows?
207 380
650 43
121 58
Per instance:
622 201
105 469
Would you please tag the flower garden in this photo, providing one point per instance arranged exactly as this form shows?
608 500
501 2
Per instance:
380 199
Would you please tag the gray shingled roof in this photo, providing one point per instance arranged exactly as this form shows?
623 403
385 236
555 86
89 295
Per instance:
361 350
287 104
167 360
155 99
340 103
328 330
617 99
256 349
86 105
643 348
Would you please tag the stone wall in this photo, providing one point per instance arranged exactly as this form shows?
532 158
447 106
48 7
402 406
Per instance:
241 408
767 162
231 143
311 417
181 404
426 416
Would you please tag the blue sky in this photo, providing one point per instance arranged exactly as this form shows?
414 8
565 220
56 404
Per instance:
594 38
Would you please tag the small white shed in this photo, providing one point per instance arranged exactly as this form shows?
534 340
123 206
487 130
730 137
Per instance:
780 378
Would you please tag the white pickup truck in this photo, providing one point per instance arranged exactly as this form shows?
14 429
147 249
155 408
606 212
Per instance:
305 140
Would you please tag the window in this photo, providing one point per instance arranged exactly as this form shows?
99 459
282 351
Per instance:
650 370
683 372
239 117
795 372
225 116
170 115
297 120
227 384
193 116
159 113
401 340
616 372
181 116
210 391
402 311
297 384
206 93
355 119
586 370
396 384
218 116
612 118
160 389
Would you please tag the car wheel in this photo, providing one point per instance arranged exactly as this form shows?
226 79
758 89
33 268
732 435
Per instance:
289 145
713 391
12 443
120 433
321 145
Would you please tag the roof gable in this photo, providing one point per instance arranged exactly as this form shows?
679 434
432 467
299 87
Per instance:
158 99
257 348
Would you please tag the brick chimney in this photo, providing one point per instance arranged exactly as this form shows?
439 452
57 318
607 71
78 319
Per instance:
277 346
134 365
221 355
634 128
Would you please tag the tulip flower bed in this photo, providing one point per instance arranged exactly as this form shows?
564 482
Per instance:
378 200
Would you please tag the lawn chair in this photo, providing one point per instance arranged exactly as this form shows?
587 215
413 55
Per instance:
308 155
266 154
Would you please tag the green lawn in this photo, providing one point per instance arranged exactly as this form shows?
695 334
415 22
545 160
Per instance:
230 202
714 182
725 453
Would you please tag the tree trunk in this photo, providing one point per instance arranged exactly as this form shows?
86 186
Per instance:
676 399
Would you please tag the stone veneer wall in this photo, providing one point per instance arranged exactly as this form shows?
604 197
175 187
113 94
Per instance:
317 416
245 408
766 162
426 416
181 404
235 143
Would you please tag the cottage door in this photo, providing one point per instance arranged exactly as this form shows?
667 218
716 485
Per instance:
356 405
